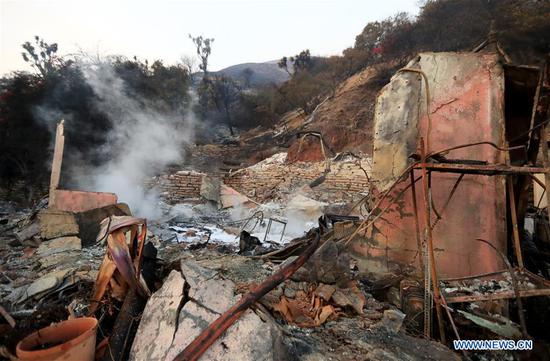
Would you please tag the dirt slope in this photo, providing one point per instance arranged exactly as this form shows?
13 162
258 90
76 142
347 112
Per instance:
346 118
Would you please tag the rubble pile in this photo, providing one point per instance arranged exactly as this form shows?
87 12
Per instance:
200 282
173 318
43 280
34 267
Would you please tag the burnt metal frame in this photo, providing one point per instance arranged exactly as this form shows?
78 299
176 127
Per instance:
542 291
540 111
268 229
480 169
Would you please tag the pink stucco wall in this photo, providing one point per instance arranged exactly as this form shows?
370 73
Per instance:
79 201
467 92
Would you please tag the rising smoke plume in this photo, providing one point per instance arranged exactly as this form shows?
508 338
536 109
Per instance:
141 143
142 140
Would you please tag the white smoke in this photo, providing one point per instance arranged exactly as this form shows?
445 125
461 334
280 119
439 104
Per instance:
141 143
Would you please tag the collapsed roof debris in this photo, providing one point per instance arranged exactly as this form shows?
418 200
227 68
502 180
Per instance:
328 256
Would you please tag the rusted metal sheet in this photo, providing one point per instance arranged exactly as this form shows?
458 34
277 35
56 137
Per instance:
466 106
488 169
121 266
80 201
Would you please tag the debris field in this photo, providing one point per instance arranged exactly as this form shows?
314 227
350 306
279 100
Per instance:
440 233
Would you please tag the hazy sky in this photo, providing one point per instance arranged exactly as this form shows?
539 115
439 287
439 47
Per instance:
244 31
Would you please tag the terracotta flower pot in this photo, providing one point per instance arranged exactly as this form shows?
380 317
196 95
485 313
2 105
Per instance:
71 340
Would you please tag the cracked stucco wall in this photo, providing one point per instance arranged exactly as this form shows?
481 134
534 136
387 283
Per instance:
395 126
466 106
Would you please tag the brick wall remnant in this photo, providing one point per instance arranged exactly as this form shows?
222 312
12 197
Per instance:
272 178
179 186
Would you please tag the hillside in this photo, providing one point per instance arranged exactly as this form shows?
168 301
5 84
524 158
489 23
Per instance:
261 73
344 119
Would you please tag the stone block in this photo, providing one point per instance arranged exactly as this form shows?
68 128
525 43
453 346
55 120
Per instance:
59 245
54 224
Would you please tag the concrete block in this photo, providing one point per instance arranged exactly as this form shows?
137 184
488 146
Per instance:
55 223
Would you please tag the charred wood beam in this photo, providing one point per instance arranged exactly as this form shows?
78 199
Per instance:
57 161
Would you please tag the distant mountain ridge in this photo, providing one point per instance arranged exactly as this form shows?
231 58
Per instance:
262 73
